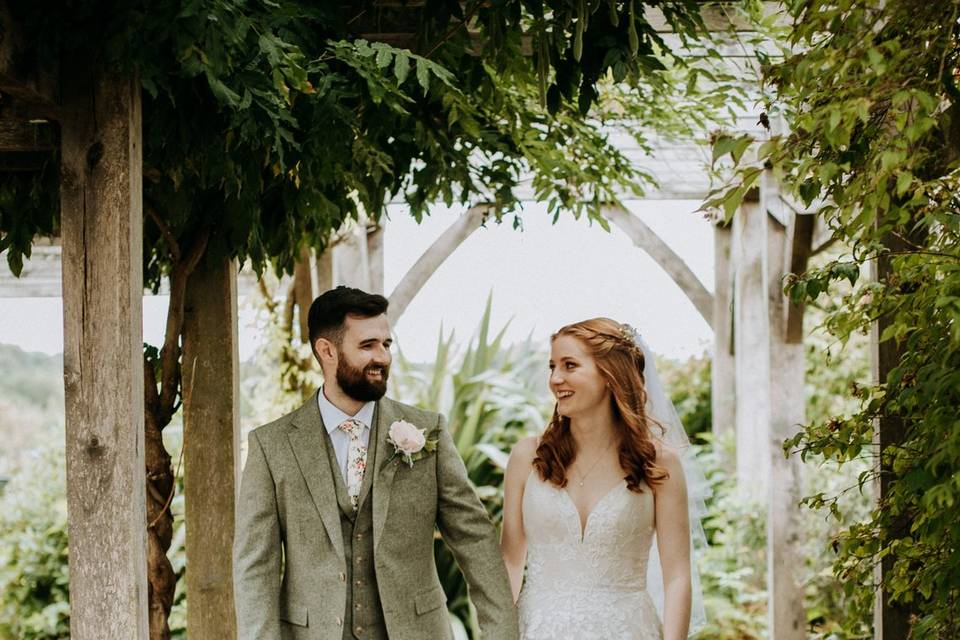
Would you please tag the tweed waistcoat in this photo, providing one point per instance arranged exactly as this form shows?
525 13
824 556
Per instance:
363 614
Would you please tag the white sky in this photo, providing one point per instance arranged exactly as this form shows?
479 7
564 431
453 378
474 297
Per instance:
542 278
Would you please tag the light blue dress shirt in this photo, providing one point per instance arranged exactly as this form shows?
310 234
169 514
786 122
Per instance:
333 417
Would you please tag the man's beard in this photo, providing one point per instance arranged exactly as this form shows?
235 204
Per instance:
354 382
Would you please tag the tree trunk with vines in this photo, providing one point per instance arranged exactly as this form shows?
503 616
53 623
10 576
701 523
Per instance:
161 402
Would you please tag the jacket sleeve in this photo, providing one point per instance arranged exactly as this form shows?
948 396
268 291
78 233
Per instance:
257 550
472 538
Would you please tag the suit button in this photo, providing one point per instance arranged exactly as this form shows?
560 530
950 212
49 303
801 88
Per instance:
359 583
359 607
343 577
359 630
359 536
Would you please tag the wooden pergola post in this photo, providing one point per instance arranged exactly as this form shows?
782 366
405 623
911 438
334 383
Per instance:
788 244
350 259
751 326
890 621
723 373
375 258
324 272
211 440
102 236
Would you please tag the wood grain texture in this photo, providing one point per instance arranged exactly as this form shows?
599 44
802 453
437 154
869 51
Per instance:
787 368
890 621
211 427
723 378
102 236
800 248
751 334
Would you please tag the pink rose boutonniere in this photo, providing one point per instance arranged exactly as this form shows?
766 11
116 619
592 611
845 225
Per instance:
409 442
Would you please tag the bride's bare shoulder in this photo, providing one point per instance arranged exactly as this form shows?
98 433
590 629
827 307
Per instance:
666 455
521 460
525 450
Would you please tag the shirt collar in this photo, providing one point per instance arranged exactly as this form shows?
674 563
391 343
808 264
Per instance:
333 416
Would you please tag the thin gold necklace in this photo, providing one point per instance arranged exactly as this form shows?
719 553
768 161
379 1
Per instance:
583 477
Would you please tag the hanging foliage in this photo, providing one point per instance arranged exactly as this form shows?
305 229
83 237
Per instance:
870 96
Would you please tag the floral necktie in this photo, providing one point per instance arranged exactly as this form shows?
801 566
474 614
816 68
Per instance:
356 458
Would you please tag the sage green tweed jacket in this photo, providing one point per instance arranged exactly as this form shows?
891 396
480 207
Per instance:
288 556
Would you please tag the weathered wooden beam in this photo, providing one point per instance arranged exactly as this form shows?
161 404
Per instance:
751 327
303 292
350 266
787 406
211 441
324 271
100 195
375 258
723 376
799 250
18 135
25 88
668 259
823 236
17 97
890 621
427 264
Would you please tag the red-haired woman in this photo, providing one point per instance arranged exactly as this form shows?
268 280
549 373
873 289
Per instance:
584 502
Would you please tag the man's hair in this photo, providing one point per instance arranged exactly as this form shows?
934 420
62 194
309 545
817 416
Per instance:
328 313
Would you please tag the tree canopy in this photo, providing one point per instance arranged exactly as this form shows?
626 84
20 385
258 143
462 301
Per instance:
270 123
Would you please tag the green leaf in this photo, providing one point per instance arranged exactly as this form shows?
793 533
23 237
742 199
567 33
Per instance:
722 146
222 92
384 57
739 147
401 67
423 76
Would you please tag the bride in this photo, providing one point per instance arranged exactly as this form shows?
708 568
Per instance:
586 502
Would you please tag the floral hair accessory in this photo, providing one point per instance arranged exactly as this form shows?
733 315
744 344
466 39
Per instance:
629 333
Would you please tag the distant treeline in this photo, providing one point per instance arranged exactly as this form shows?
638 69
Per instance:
31 403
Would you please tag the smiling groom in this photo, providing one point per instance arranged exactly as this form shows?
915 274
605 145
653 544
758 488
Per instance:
339 500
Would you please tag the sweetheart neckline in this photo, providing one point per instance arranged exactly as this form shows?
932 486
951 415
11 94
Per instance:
582 525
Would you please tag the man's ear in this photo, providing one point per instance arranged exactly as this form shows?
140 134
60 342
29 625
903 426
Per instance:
326 350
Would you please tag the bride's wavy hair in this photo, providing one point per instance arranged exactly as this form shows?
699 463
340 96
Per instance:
621 362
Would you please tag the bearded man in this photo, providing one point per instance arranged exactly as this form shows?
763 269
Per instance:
340 499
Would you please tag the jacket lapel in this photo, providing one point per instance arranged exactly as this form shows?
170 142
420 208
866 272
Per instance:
310 449
383 472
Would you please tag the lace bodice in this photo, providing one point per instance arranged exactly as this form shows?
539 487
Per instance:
587 584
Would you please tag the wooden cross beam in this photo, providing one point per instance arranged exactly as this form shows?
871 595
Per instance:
645 238
25 145
26 91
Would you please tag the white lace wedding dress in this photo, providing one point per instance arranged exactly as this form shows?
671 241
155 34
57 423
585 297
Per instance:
589 584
